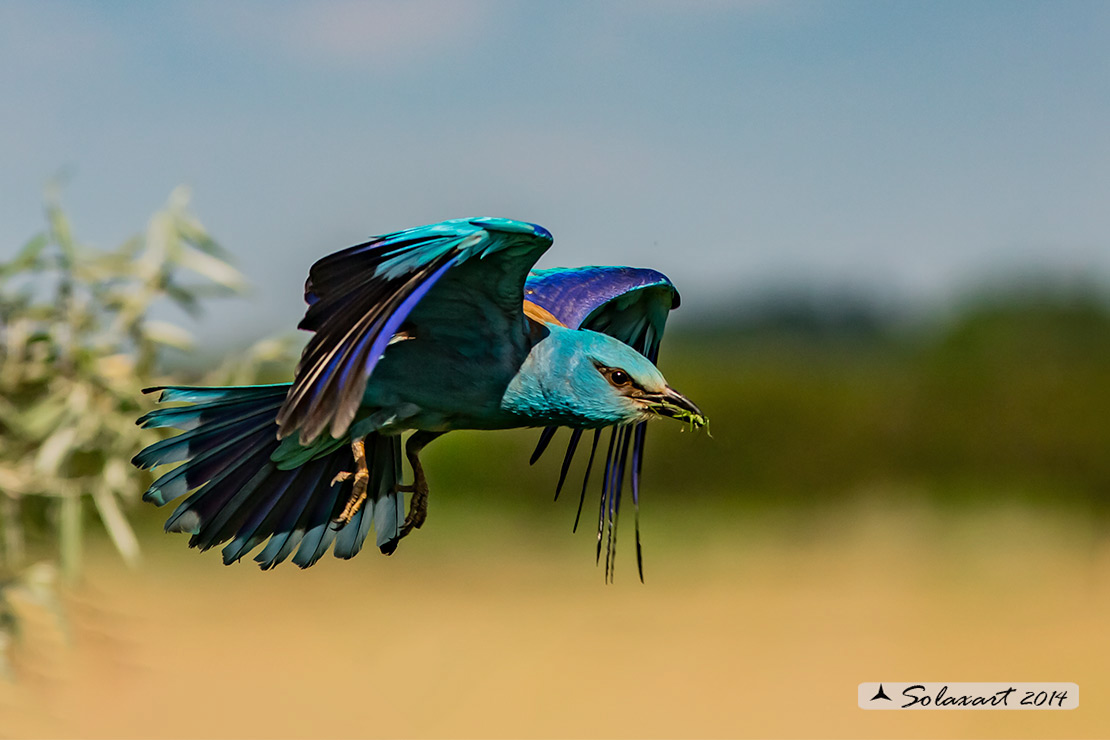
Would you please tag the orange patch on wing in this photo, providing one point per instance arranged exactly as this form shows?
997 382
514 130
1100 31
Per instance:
540 314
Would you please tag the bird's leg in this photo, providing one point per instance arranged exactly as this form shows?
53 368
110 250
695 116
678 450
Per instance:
358 491
418 506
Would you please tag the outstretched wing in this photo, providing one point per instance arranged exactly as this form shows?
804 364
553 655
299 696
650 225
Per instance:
360 297
630 304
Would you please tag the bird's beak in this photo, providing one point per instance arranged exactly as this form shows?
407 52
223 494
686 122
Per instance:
673 404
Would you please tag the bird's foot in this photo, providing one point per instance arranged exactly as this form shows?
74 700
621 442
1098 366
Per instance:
418 512
418 506
358 491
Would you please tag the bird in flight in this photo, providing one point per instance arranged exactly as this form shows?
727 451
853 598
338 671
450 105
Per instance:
427 330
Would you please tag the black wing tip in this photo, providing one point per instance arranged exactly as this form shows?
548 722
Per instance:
541 445
639 549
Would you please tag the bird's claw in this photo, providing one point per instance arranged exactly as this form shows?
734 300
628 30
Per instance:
418 514
358 491
418 507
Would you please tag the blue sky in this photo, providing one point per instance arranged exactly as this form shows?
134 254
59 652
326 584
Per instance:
896 148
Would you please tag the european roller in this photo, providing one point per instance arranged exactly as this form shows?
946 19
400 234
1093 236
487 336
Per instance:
426 330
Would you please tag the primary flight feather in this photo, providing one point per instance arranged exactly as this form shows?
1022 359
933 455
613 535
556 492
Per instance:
426 330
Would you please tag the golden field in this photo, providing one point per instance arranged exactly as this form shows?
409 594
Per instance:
484 625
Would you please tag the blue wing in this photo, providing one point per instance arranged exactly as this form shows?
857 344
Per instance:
630 304
619 301
359 299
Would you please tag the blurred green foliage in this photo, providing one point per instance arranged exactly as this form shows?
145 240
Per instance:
77 345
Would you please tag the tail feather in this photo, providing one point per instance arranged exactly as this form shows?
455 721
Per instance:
214 466
326 507
216 394
239 493
390 510
349 540
187 418
225 515
216 490
263 518
294 521
200 439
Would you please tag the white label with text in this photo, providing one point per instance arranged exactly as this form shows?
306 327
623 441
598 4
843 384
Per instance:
956 695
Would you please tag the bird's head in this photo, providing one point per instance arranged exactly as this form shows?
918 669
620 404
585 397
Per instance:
630 381
590 379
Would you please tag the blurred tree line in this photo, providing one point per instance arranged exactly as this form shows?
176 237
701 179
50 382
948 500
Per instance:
1005 395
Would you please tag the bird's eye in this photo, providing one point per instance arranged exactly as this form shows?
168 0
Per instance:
619 378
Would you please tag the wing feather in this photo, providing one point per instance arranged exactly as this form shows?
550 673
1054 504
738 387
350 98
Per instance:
359 298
